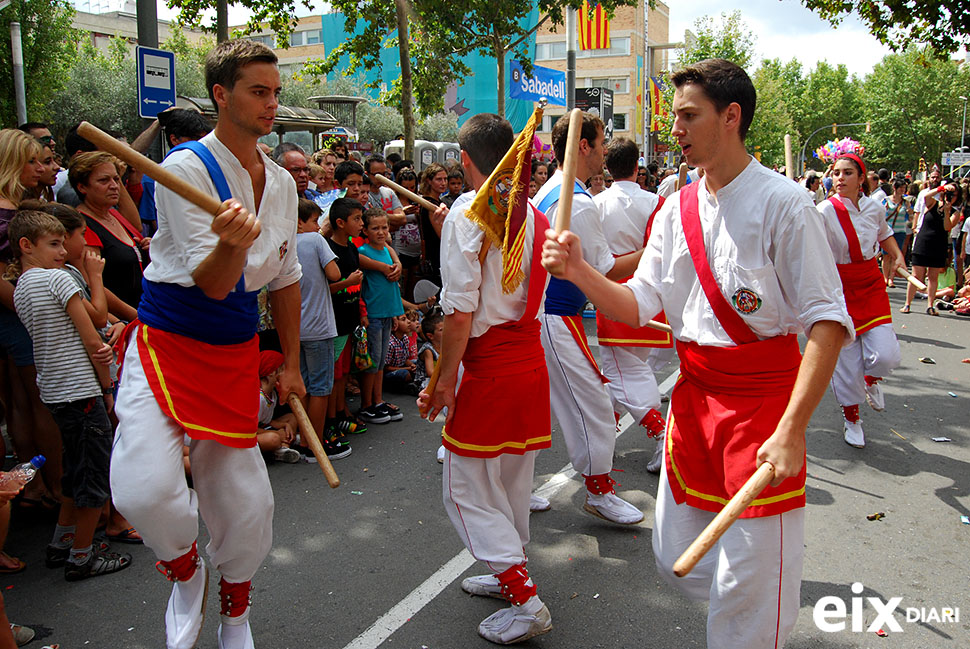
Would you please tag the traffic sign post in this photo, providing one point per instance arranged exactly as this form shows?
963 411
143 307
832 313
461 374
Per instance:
955 158
156 81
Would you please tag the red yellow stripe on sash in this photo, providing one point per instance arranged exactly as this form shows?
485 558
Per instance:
211 391
875 322
574 324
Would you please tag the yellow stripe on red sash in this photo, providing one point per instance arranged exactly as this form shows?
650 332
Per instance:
574 324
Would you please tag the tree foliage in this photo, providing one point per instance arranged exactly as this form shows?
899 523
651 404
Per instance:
48 41
276 15
942 24
728 38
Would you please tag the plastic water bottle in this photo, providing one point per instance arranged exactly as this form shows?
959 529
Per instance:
22 473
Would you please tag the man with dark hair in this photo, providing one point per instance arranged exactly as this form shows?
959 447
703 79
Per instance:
349 175
489 457
740 263
196 335
73 144
382 197
580 399
39 131
630 357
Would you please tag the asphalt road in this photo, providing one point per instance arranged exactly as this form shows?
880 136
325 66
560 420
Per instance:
376 563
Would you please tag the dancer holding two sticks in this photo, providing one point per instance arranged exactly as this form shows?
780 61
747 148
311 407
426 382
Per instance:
740 264
191 364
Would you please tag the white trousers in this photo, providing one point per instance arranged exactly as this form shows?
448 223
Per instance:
874 353
487 500
580 401
232 488
751 577
632 374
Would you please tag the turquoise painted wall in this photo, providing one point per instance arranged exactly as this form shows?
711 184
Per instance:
478 92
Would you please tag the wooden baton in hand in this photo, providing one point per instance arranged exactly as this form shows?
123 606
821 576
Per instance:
390 184
912 280
682 176
724 519
565 208
310 436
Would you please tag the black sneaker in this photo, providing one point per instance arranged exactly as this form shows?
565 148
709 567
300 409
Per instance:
56 557
348 427
393 414
335 451
333 434
373 415
98 563
943 305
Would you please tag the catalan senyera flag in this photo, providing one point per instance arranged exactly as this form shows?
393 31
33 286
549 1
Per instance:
501 206
594 28
657 108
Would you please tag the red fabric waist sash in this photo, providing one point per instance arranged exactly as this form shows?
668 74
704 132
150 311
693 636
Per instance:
506 365
865 295
617 334
211 391
726 404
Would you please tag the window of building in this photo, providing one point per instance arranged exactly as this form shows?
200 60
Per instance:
553 51
267 40
619 85
619 122
548 121
619 46
312 37
297 39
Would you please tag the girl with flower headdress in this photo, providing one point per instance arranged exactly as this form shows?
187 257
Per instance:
856 227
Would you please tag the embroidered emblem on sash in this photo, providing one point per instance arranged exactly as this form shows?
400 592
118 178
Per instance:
746 301
283 249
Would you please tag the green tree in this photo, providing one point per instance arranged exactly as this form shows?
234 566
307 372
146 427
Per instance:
728 38
943 24
912 101
772 118
442 127
48 45
276 15
828 95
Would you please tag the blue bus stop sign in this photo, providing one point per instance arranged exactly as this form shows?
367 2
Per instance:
156 80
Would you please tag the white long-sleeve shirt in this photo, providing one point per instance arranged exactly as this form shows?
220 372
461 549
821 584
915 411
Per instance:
625 209
761 233
185 237
472 287
869 221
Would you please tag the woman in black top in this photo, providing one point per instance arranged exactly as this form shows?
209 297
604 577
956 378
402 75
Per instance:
933 241
96 178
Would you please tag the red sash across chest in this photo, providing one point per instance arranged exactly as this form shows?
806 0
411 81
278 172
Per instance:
727 402
505 365
862 280
616 334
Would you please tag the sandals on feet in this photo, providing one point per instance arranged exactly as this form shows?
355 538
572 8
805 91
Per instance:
932 311
13 564
129 535
904 309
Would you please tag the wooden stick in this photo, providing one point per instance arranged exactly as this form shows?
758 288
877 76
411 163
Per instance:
564 209
789 164
659 326
912 280
420 200
725 518
138 162
311 439
682 177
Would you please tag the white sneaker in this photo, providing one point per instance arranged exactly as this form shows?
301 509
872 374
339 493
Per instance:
186 610
853 434
653 466
875 398
441 454
235 636
539 504
611 507
511 625
286 455
483 586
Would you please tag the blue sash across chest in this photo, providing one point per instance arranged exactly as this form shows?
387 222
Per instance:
187 310
562 297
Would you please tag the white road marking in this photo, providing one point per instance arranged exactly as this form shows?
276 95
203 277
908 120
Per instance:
400 613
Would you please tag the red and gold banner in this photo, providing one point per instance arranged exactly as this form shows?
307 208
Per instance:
594 28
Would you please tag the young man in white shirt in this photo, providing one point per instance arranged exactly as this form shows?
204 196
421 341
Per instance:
196 335
580 400
740 264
